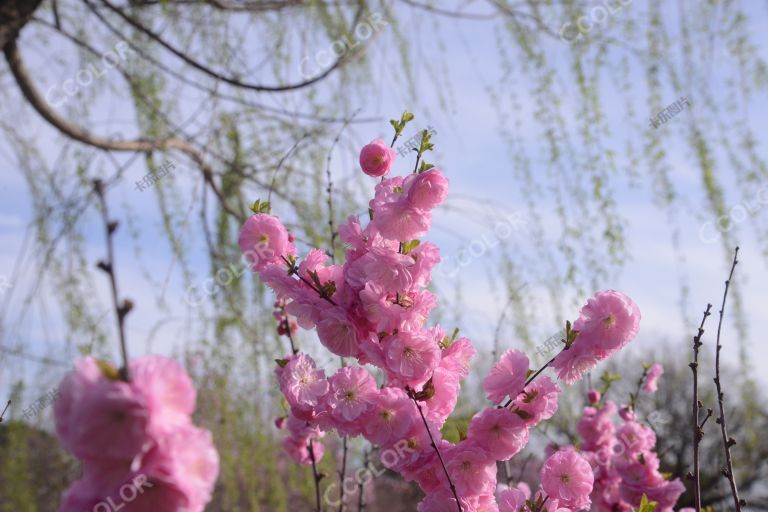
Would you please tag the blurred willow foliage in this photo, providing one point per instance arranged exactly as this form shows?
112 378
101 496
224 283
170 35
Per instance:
186 91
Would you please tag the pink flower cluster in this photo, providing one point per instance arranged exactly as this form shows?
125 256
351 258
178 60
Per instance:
138 447
607 323
373 308
624 463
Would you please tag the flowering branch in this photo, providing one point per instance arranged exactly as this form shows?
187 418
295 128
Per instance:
727 441
317 476
121 309
698 432
434 447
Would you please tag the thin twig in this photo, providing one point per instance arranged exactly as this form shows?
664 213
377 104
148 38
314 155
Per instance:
698 433
4 410
294 270
343 475
334 233
434 447
532 378
727 441
316 476
361 485
121 309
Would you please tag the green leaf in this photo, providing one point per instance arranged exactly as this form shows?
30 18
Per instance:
261 207
109 371
646 505
409 246
281 362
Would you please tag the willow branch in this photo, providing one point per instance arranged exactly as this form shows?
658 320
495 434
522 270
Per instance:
727 441
33 96
698 432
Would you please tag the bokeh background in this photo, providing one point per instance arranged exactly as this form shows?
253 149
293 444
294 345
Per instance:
544 116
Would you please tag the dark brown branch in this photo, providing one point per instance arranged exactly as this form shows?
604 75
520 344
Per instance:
361 485
434 447
121 308
727 441
33 96
4 410
698 432
227 79
317 476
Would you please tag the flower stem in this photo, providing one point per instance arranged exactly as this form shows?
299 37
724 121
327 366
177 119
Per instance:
434 446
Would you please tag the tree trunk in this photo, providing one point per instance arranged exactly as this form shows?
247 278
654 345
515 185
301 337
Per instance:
14 14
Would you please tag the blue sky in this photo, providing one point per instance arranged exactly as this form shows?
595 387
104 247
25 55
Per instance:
477 160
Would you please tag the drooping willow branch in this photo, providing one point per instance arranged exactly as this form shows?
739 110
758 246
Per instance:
33 96
728 442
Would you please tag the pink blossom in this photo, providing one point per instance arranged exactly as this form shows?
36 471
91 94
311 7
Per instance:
427 256
412 356
593 396
167 389
651 380
393 414
610 319
338 332
507 377
538 402
472 469
388 269
302 383
400 221
101 418
572 364
457 357
426 190
512 500
447 386
376 158
264 240
567 477
499 432
352 395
